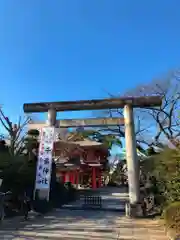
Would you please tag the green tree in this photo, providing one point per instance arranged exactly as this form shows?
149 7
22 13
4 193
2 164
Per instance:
31 142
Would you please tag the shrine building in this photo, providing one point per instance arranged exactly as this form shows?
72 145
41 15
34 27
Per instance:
80 161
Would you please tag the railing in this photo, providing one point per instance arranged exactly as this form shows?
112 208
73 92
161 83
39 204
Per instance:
92 202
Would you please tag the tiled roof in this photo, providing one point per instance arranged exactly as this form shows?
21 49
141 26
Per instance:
87 142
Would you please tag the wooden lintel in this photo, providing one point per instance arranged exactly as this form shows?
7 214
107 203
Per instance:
96 104
89 122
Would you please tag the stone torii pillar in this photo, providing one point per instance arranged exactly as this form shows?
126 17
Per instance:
131 158
51 117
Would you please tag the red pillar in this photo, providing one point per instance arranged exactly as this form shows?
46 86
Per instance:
93 177
99 178
62 177
77 177
81 178
70 176
67 176
73 177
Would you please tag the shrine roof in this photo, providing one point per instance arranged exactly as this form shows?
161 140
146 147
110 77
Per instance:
88 143
76 163
82 143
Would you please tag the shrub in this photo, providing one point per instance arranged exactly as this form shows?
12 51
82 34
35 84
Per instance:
6 160
71 191
165 167
42 206
19 176
33 133
172 216
60 195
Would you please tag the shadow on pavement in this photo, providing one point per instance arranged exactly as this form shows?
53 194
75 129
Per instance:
63 223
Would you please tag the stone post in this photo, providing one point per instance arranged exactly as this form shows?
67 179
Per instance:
132 160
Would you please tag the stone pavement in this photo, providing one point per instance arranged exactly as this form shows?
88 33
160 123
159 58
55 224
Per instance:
113 198
82 225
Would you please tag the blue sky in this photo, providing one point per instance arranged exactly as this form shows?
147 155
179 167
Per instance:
84 48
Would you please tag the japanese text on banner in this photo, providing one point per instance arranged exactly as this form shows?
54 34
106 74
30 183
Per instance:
43 172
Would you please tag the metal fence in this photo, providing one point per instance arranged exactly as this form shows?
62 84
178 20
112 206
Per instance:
92 201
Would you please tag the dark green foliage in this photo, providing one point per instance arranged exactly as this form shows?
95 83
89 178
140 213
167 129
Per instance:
31 141
19 175
5 161
5 157
33 132
150 151
3 146
118 173
42 206
165 167
19 172
62 194
59 195
172 216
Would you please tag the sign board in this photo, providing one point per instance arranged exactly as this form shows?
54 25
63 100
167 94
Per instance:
43 171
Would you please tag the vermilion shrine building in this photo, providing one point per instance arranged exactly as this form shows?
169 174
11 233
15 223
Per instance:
81 162
78 160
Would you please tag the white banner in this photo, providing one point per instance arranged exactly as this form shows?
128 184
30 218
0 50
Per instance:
43 171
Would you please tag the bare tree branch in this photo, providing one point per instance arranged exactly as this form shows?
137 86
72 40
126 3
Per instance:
154 124
165 117
15 132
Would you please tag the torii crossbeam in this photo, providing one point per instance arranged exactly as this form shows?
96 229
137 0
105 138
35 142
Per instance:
95 104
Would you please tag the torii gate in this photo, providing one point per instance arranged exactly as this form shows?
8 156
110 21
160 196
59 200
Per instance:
113 103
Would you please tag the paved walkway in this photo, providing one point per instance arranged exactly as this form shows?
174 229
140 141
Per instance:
113 198
82 225
86 224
